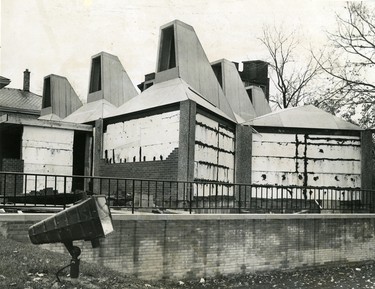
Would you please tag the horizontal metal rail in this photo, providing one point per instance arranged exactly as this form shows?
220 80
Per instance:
44 192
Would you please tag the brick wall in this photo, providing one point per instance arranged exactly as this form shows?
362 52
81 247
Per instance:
158 169
14 184
194 246
155 170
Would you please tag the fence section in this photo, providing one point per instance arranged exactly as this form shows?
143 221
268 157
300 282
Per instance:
22 190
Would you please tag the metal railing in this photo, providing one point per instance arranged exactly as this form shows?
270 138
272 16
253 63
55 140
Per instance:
42 192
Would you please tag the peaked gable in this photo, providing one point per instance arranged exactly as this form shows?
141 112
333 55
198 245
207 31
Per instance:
109 80
181 55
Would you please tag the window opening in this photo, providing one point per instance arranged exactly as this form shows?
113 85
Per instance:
96 78
167 57
46 93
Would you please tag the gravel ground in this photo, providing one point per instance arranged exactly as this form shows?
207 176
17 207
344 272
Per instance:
359 275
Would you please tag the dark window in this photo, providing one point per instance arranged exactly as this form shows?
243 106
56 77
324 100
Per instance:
79 146
46 93
218 72
167 54
96 75
11 142
250 94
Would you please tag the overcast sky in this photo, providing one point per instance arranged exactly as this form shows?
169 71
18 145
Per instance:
60 36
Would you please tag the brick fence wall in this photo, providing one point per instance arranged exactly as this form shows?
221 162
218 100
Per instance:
194 246
14 184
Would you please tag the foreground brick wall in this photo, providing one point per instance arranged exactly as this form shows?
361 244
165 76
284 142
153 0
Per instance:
193 246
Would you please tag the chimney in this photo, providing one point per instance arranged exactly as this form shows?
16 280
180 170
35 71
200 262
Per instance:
26 80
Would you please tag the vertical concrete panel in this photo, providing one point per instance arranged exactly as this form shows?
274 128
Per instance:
306 159
142 139
214 156
98 146
367 166
367 160
243 156
47 151
186 141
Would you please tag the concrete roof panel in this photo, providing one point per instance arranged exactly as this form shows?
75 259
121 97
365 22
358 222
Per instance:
165 93
91 111
307 116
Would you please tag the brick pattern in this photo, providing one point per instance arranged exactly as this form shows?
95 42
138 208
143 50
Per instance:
178 248
161 194
158 169
14 184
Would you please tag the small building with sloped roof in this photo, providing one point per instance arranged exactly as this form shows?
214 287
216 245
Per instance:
306 146
19 101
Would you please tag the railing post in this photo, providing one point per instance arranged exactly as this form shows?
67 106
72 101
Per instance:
64 192
133 196
191 197
35 187
239 197
109 191
4 187
45 190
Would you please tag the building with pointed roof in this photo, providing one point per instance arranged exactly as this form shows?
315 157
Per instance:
306 146
32 137
193 121
109 88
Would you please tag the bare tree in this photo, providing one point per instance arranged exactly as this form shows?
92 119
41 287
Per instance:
350 65
291 75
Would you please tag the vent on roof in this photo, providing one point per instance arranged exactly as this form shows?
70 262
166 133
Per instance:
167 54
96 79
46 93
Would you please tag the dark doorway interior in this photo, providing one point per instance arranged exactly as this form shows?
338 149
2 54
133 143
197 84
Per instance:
78 160
11 140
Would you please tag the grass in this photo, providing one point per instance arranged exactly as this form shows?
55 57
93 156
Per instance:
26 266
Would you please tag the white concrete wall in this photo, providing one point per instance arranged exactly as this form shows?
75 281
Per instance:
47 151
284 159
152 136
214 153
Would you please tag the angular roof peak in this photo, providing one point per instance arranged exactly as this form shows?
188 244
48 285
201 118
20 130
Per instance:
59 97
181 54
233 88
109 80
